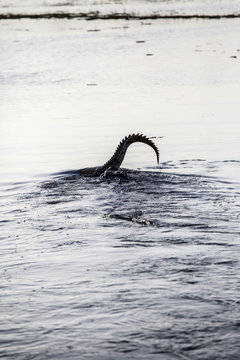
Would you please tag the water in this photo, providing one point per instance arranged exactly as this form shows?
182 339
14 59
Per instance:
96 269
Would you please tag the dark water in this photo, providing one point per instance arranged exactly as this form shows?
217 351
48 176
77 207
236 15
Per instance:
143 269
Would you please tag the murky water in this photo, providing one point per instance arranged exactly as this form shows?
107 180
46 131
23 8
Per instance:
147 268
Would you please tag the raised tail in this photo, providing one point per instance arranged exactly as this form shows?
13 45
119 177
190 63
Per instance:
116 160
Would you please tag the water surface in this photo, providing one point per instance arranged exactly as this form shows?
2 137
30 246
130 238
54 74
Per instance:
96 269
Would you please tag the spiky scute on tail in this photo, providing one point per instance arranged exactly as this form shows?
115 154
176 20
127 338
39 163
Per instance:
116 160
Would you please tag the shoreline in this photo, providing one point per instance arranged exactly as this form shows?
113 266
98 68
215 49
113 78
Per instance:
96 15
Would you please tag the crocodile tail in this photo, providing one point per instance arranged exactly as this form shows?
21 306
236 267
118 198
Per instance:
116 160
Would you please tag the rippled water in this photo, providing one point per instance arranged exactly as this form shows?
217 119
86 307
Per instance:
143 269
95 268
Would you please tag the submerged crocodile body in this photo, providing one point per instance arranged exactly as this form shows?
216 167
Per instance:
112 166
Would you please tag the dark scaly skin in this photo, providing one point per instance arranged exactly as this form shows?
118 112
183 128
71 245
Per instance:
114 163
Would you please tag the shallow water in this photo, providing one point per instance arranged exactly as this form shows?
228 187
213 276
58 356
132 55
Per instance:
145 268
